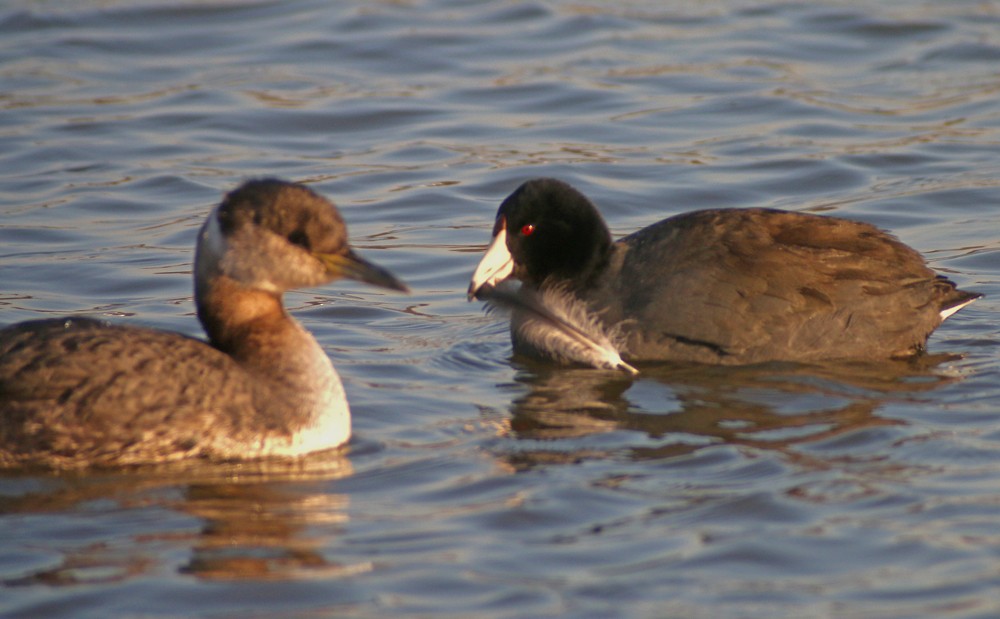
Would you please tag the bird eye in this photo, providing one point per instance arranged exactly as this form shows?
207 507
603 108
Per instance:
299 237
527 229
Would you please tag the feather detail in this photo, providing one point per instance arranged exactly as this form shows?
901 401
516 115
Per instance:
557 324
948 311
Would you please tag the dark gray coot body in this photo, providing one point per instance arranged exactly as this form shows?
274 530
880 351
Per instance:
721 286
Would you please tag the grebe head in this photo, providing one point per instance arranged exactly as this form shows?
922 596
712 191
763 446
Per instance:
274 236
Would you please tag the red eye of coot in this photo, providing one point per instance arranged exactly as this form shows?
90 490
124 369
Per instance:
527 229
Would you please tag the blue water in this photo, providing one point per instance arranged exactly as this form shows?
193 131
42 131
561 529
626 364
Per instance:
478 485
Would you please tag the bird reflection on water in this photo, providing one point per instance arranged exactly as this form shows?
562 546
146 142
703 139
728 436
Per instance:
774 406
265 520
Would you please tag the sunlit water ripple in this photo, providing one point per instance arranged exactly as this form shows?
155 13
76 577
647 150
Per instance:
480 485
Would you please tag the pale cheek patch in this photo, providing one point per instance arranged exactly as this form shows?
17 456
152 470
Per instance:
212 240
255 259
258 258
264 260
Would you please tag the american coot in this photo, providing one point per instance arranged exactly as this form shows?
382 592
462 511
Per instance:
78 392
721 286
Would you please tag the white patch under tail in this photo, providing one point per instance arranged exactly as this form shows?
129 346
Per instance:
945 313
557 323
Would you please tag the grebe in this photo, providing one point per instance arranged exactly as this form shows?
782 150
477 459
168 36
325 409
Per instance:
78 392
723 286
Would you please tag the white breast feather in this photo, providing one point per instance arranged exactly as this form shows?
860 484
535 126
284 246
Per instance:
557 323
331 426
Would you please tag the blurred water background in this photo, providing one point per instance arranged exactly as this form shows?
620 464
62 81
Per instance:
478 485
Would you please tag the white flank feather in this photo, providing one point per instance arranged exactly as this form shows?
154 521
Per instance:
556 323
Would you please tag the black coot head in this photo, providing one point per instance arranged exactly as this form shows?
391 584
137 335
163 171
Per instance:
553 232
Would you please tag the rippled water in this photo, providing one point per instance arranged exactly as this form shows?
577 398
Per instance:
480 485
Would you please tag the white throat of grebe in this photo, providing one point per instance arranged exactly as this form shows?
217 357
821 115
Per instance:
212 239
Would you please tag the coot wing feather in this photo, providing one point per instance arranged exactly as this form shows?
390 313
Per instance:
755 284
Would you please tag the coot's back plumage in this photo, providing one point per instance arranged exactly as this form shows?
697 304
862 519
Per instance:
726 286
80 392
